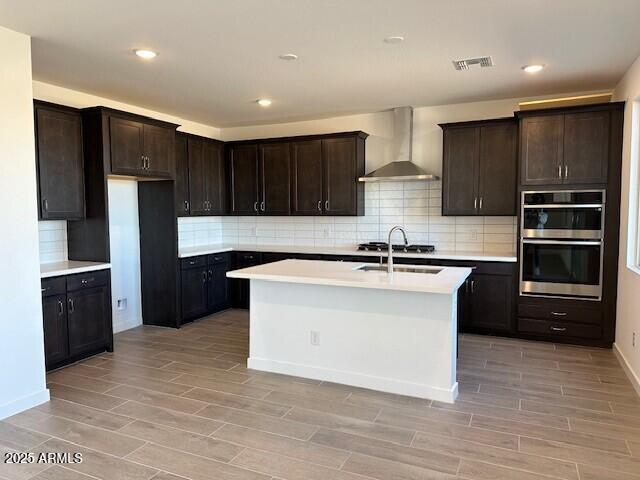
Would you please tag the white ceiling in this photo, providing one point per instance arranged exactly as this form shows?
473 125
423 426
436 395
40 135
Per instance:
218 56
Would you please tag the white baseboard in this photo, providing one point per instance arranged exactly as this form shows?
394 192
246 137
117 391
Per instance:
122 324
382 384
24 403
633 376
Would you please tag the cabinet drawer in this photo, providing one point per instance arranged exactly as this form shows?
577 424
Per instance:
561 313
218 258
87 280
193 262
564 329
246 259
54 286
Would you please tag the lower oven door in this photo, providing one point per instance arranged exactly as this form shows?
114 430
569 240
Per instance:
559 268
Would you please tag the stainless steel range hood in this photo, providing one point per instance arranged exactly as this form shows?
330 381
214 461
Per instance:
402 169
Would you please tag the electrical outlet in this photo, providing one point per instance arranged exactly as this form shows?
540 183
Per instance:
121 304
474 234
315 338
633 340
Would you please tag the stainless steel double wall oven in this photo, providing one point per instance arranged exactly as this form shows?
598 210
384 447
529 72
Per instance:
562 243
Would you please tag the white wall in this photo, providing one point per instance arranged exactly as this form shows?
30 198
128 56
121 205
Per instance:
124 239
74 98
628 317
22 382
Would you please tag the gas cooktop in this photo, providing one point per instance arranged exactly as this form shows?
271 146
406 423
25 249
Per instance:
383 246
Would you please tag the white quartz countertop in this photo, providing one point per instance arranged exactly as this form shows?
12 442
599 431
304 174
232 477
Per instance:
345 274
345 250
55 269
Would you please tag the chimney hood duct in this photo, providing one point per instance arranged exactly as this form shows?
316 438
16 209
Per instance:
402 169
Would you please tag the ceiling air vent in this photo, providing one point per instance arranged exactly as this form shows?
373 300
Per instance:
467 63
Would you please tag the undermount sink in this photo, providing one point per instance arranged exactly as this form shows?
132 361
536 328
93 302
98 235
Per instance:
383 268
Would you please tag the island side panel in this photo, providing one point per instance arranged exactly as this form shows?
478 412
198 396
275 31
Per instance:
393 341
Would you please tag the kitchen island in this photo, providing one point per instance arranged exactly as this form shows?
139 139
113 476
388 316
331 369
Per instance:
354 324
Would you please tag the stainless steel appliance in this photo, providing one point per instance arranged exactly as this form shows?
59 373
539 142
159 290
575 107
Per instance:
562 244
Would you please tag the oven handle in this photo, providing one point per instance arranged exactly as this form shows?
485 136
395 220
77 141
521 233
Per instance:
566 205
562 242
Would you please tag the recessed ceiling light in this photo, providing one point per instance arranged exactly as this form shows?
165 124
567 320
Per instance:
394 39
144 53
264 102
532 68
288 56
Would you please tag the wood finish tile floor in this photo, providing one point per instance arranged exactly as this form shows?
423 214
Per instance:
175 404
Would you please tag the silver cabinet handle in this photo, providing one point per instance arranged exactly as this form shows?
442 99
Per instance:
186 206
204 276
72 307
481 198
45 204
319 205
475 203
144 162
204 205
326 205
558 329
262 205
566 171
559 314
60 308
559 171
255 206
86 281
473 286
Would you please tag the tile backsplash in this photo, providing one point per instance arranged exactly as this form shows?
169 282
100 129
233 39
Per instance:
415 205
53 241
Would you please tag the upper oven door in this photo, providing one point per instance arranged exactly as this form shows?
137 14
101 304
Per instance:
561 268
570 215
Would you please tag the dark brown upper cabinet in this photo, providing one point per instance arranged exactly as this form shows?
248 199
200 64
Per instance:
182 176
243 178
141 149
479 168
60 162
541 150
207 191
274 178
306 177
324 174
568 146
586 147
343 163
310 175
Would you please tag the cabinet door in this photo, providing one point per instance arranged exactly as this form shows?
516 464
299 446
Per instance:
194 292
340 176
182 176
56 346
218 289
158 148
215 178
497 170
541 150
60 162
491 302
88 317
460 171
243 173
275 195
127 146
306 177
197 177
241 287
586 147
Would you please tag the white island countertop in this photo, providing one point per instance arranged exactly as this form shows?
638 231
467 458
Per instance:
346 274
187 252
56 269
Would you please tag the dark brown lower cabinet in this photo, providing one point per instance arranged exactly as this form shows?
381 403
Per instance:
204 285
56 344
562 320
76 317
241 287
